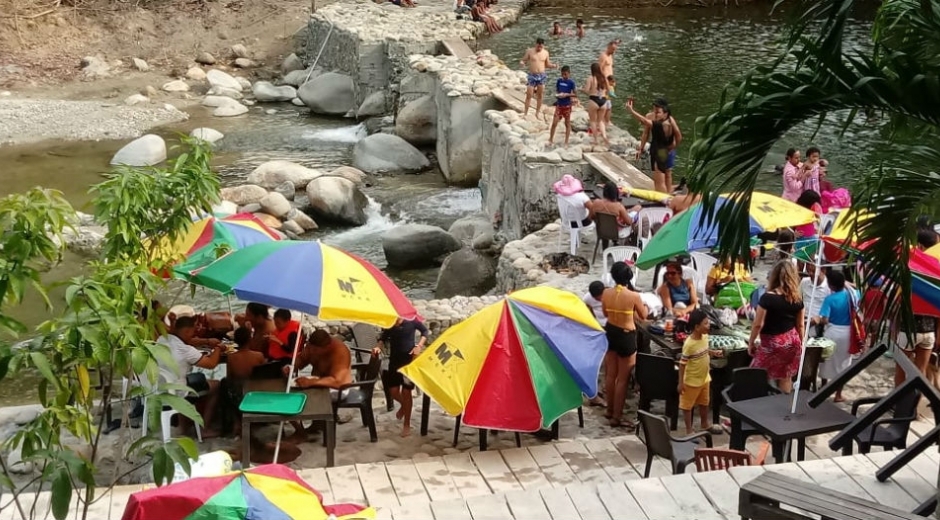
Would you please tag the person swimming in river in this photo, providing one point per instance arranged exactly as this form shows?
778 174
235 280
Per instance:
579 28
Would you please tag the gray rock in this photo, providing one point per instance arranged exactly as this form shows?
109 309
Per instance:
246 85
275 204
474 229
287 189
250 208
26 415
297 102
270 111
136 99
205 58
225 92
225 207
196 73
149 91
290 64
412 246
466 272
16 464
387 153
291 227
230 109
329 94
143 151
239 51
84 240
217 78
302 219
215 101
265 91
273 173
176 85
244 63
298 77
348 172
244 194
338 200
373 105
208 135
417 121
95 67
141 65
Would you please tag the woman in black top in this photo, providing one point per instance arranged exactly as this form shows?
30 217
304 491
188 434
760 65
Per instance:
779 322
400 341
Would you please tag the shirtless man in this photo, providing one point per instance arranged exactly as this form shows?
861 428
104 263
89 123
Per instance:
660 112
606 61
579 28
538 60
258 321
331 363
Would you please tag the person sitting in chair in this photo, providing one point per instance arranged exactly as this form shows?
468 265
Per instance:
677 293
611 204
331 365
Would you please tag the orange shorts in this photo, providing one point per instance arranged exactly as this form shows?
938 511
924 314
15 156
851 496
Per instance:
693 396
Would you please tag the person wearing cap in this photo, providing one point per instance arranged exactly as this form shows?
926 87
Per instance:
187 311
570 191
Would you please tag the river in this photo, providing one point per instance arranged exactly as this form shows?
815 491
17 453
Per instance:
686 55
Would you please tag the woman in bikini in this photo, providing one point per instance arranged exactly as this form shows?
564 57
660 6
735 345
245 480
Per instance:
622 305
596 88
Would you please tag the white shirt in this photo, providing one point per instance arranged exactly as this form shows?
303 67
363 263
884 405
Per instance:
186 356
815 293
577 200
596 307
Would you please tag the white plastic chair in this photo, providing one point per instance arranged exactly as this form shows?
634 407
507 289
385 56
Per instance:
646 218
165 415
703 263
616 254
568 215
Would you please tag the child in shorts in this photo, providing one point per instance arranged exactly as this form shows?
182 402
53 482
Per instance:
566 94
694 376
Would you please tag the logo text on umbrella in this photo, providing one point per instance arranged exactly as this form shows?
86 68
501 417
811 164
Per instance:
348 285
444 354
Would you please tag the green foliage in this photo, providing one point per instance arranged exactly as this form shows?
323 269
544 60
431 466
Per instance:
100 329
898 77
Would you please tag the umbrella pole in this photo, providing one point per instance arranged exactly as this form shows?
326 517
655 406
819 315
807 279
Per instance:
812 302
290 376
231 313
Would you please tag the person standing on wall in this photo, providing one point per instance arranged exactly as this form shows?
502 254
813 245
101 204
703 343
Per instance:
538 60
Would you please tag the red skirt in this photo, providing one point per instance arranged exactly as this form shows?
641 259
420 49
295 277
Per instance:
779 354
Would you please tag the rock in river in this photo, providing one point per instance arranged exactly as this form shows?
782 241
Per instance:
466 272
412 246
245 194
388 153
337 199
417 121
209 135
373 105
143 151
217 78
265 91
273 173
329 94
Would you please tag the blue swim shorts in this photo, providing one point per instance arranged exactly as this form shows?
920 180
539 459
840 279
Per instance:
536 79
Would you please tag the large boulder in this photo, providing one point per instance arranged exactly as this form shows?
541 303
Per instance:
412 246
245 194
291 63
466 272
265 91
217 78
348 172
143 151
373 105
273 173
297 78
337 199
475 231
417 121
275 204
329 94
388 153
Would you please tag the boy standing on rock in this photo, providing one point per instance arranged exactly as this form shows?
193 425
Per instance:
565 94
538 60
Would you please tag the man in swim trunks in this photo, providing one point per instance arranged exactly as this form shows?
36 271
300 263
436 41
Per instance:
565 94
606 61
537 59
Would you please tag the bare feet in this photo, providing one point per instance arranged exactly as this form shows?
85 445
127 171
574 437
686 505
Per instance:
406 431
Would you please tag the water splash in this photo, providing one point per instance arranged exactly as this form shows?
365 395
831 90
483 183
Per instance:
345 134
363 239
454 202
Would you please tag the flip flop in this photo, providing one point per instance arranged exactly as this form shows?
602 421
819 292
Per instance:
618 423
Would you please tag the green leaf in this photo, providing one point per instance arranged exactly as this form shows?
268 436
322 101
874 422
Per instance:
61 494
41 362
159 466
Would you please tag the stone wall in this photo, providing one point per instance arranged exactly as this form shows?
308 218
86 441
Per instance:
460 136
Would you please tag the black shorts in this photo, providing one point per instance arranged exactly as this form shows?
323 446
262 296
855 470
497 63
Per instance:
198 382
619 341
393 378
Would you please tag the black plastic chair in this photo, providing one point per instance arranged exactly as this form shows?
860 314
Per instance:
888 433
359 395
658 380
607 231
679 451
365 337
747 383
811 361
721 378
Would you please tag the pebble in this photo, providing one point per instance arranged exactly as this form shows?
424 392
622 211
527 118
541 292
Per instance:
196 73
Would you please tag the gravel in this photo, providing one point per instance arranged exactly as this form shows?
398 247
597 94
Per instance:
29 120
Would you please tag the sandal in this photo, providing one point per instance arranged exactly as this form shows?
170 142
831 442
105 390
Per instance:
622 423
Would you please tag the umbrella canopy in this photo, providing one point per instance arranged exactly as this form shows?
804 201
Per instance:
309 277
693 229
271 492
198 247
934 251
518 364
925 283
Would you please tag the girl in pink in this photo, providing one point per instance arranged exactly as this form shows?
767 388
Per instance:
792 176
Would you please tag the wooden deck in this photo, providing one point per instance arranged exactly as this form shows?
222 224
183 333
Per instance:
592 480
514 99
457 47
618 170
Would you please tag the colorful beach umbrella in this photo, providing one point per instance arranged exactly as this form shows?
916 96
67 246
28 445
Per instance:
200 245
934 251
925 283
518 364
309 277
271 492
690 232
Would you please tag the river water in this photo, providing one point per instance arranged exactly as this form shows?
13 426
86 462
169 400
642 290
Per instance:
686 55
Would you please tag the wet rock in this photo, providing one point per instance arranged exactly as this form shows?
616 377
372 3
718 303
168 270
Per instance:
217 78
329 94
207 134
373 105
147 150
466 272
388 153
287 189
337 199
266 92
275 204
417 121
290 64
411 246
244 194
273 173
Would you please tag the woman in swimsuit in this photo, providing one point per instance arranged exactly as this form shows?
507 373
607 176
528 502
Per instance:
596 88
662 138
621 305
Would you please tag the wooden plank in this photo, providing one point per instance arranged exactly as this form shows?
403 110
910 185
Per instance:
413 511
376 484
920 428
344 481
451 510
922 465
497 474
690 498
633 449
619 502
436 479
721 490
829 475
406 481
527 505
789 470
457 47
580 460
585 499
468 480
617 467
553 466
489 507
655 500
383 513
559 505
524 468
618 170
907 477
318 480
514 99
744 474
862 471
